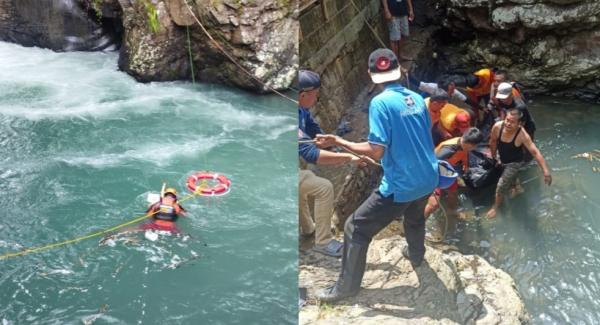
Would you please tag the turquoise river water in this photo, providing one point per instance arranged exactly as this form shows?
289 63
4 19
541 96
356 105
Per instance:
548 238
81 146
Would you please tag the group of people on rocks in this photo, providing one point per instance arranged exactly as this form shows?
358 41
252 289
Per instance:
492 115
409 135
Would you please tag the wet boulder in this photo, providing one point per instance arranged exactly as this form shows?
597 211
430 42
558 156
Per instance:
260 36
61 25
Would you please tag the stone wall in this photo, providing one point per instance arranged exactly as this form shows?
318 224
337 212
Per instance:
336 42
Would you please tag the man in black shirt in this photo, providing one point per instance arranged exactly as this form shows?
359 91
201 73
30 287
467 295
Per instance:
507 100
398 13
508 138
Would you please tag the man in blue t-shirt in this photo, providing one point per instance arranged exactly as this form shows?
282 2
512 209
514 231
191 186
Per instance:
399 135
309 184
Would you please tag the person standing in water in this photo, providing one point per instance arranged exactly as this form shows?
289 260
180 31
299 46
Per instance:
456 152
508 137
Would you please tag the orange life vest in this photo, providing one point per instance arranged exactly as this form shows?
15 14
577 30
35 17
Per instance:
448 115
456 158
486 77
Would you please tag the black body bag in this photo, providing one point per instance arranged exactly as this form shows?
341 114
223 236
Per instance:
482 171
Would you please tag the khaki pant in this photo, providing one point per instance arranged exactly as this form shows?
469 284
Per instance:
321 189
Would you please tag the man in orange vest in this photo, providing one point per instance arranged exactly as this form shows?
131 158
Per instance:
454 120
165 213
478 88
435 104
456 152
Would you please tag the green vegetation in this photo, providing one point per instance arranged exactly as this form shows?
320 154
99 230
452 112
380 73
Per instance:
97 7
326 309
152 15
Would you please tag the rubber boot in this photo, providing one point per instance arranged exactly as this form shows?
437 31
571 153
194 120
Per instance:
353 269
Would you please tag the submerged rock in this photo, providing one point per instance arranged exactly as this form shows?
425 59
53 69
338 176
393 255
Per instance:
448 288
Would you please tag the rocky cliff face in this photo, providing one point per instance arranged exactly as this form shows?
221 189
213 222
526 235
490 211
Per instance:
448 288
551 46
260 35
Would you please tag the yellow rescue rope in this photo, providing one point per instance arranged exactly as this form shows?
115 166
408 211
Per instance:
232 59
32 250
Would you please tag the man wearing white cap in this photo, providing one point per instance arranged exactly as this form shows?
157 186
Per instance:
399 135
507 100
499 77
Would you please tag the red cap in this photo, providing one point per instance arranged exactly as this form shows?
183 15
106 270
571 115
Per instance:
463 121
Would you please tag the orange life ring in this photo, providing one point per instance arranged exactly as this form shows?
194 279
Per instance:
223 184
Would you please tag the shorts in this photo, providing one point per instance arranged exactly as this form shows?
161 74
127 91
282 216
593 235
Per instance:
398 27
508 177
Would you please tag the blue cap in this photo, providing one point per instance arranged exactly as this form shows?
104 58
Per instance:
447 174
308 80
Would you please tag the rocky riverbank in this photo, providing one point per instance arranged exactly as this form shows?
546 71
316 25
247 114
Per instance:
448 288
